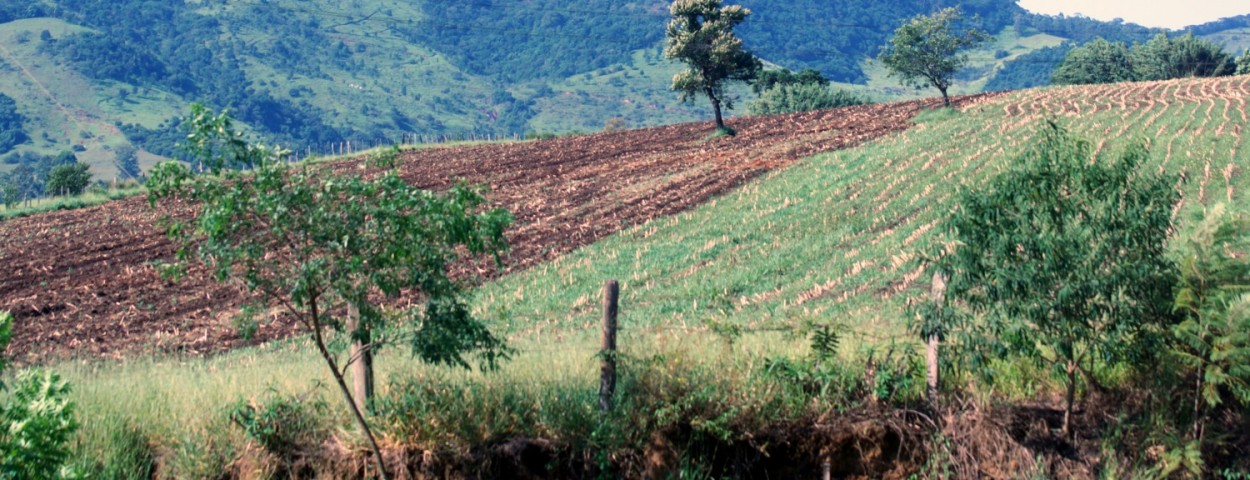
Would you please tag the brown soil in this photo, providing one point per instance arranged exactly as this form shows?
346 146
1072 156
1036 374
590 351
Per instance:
82 283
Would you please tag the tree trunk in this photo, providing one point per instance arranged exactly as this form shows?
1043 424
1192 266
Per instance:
946 99
362 365
352 402
1197 430
937 295
720 122
1069 399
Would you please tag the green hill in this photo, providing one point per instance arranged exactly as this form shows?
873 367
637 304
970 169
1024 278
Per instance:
312 73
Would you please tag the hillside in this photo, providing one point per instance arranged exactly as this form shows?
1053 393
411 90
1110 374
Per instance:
713 297
834 238
84 282
312 73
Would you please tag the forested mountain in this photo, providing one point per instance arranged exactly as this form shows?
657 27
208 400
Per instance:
98 74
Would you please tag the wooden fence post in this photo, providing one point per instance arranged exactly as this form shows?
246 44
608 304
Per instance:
607 372
938 296
362 366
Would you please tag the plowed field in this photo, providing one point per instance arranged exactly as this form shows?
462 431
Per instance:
82 283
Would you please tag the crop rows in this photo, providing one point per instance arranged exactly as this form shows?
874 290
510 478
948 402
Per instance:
835 238
83 282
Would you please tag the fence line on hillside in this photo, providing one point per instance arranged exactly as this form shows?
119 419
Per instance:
354 146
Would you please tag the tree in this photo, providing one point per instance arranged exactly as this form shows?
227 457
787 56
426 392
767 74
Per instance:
801 98
68 179
1098 61
126 159
326 248
1164 58
10 194
1213 294
1243 63
926 50
700 35
1062 261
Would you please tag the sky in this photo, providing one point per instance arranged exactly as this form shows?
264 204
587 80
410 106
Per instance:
1151 13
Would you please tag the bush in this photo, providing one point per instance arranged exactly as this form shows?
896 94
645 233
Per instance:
802 98
36 422
283 425
1212 343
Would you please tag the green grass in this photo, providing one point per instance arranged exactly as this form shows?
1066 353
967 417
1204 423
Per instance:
831 240
88 199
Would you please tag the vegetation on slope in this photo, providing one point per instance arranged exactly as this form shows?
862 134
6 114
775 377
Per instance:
716 313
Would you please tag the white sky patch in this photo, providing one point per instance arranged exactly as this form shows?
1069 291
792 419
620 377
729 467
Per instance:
1151 13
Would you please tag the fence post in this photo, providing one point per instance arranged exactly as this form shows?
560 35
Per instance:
362 366
607 372
938 296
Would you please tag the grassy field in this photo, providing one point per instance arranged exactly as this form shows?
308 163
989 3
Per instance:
831 240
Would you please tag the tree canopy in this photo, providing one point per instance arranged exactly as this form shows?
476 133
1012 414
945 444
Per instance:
316 244
701 35
1160 58
926 50
12 126
1099 61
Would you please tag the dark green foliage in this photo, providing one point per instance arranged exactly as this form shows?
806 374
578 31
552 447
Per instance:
926 51
1212 343
10 194
111 57
1098 61
767 79
126 159
802 98
1243 63
1161 58
701 36
1033 69
1061 261
1164 58
68 179
535 40
516 41
1084 29
162 140
11 125
32 172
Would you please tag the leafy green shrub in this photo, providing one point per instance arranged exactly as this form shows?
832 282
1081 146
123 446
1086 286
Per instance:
801 98
282 425
36 422
1212 343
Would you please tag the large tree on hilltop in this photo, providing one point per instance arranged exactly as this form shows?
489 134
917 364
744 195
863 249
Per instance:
700 35
926 50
